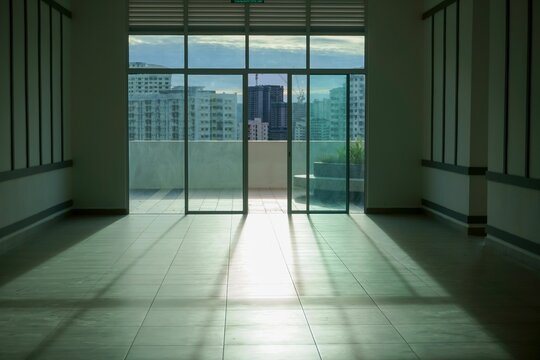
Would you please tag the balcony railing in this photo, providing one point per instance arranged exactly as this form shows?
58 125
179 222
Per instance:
160 164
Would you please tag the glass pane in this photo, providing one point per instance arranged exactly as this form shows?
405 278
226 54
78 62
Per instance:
267 136
212 51
267 114
215 146
156 51
336 52
156 149
328 130
277 52
298 143
357 117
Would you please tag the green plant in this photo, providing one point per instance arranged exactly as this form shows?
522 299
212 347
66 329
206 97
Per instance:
356 154
329 159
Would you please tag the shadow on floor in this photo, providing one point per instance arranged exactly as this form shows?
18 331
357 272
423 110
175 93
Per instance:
500 295
35 249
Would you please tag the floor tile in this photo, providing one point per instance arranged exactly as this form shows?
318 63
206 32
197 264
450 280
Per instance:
268 335
346 316
184 352
356 334
366 351
87 336
180 317
271 352
444 332
180 335
465 351
266 317
83 353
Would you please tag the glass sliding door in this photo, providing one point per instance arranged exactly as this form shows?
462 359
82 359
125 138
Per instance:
298 195
357 135
156 143
328 143
215 148
267 131
218 114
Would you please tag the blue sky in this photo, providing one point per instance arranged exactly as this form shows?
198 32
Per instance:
227 51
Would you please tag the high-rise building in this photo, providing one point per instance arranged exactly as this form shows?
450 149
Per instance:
147 83
328 114
320 110
257 130
337 122
212 115
299 110
357 106
156 111
267 103
156 116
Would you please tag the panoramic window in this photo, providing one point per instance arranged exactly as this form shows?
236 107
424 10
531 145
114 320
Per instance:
156 51
211 51
337 52
270 119
277 52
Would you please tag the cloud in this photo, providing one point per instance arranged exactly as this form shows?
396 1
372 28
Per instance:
292 43
337 44
155 39
237 41
282 43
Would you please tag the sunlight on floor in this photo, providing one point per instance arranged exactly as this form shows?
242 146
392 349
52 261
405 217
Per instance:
265 286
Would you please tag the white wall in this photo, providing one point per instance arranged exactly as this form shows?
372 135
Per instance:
465 77
514 208
394 103
99 65
25 194
5 127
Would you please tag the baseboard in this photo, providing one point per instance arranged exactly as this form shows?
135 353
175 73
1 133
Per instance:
100 212
467 219
473 229
371 210
476 231
503 245
12 235
514 240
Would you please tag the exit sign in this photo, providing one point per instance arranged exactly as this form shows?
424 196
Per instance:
247 1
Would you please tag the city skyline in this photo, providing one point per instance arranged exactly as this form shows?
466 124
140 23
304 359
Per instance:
156 108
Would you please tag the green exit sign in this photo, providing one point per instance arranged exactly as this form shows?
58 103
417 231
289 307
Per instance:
247 1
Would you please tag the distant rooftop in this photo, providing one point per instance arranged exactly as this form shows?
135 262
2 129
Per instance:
143 65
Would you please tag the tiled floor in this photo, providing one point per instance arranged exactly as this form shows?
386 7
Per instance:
155 201
268 201
264 287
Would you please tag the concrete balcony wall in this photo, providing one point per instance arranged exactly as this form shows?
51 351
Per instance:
156 164
267 164
218 164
